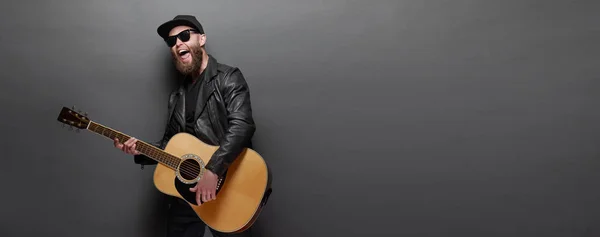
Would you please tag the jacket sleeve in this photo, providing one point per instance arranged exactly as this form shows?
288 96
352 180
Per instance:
241 127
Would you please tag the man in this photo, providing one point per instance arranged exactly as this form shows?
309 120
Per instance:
213 104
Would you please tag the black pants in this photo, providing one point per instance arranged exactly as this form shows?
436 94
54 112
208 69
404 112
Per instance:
183 222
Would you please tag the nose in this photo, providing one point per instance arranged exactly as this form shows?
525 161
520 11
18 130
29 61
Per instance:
178 42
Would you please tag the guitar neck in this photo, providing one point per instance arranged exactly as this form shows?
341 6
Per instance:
151 151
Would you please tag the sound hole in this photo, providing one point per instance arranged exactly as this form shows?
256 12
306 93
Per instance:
189 169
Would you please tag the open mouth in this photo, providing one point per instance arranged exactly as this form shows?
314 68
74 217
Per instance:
183 52
184 55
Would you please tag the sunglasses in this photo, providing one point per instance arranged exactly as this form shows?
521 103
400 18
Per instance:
184 36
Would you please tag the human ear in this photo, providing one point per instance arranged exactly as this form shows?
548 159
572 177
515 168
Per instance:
202 40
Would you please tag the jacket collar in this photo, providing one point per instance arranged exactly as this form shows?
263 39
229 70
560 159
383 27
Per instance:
211 69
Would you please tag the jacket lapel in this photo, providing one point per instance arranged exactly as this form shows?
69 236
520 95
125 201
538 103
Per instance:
206 88
177 108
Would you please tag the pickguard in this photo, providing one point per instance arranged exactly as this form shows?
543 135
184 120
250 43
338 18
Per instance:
189 196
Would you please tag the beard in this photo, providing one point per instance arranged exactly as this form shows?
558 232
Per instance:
190 68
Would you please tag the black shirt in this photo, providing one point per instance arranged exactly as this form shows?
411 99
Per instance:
192 88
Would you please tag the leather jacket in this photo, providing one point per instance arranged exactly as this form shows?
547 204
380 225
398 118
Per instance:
226 98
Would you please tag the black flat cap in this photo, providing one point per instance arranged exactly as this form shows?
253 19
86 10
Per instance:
179 20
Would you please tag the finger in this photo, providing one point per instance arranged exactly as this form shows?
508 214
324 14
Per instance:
133 141
209 195
198 194
195 188
118 144
213 196
133 146
132 149
128 142
205 196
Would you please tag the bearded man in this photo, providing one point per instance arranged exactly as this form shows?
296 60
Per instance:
213 104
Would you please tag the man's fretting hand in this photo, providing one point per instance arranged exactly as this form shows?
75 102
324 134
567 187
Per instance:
127 147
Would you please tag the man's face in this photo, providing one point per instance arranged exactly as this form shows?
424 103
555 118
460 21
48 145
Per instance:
187 55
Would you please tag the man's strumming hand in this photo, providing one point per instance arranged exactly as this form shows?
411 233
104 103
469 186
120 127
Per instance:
206 187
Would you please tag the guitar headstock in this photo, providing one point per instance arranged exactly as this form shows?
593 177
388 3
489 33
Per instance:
74 119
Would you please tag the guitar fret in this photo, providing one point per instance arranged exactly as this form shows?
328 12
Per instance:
151 151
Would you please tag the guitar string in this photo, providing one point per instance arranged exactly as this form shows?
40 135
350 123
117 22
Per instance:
170 159
192 169
187 170
171 163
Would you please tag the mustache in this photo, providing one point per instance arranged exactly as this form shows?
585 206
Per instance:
196 60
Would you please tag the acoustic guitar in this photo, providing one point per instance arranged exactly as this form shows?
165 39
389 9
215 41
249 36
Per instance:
241 193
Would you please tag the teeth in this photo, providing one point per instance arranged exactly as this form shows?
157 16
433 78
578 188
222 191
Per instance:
183 51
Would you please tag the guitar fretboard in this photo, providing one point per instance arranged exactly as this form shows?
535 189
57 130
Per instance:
149 150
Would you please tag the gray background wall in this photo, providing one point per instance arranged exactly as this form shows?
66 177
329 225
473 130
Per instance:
378 118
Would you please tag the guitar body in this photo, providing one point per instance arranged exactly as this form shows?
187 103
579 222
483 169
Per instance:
241 195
